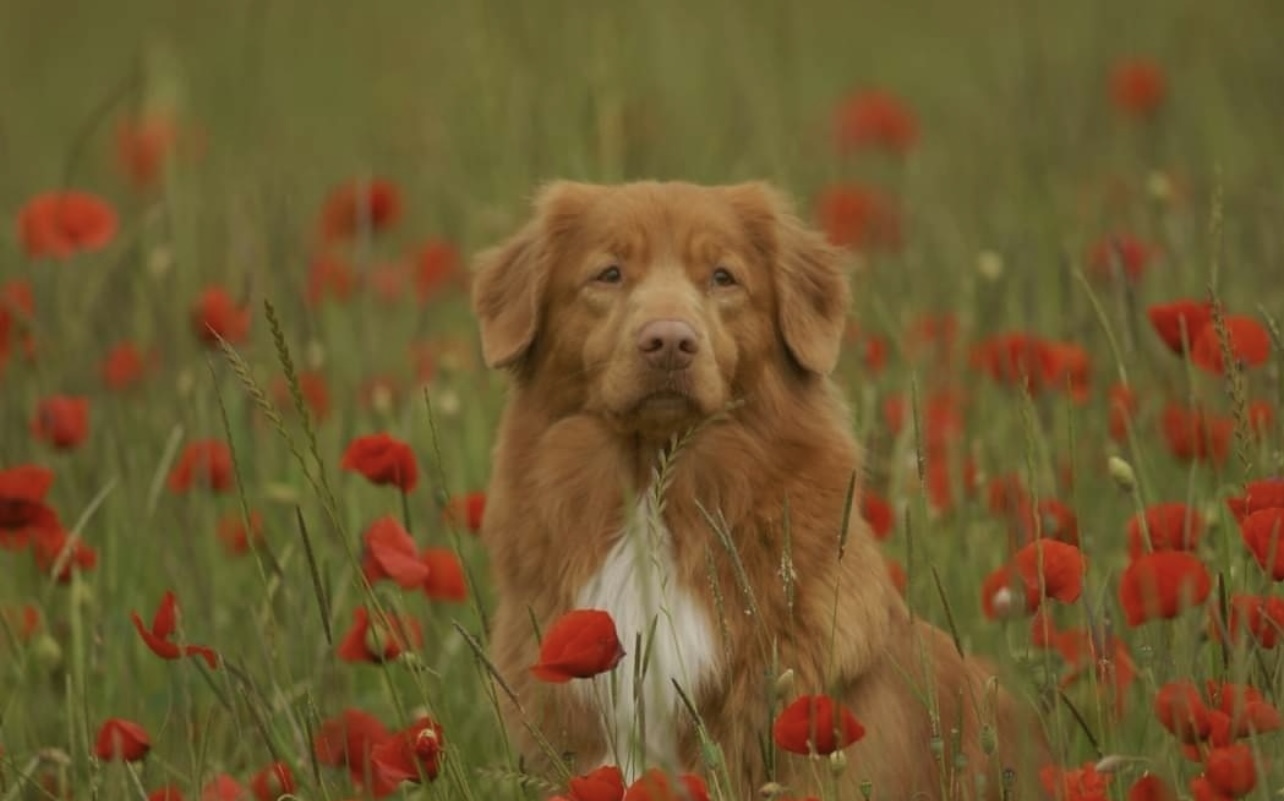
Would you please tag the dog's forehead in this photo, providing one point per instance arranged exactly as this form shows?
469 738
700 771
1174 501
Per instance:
641 219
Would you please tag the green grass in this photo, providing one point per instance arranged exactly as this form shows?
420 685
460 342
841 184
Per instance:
468 106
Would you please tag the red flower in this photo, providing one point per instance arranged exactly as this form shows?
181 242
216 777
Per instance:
1138 87
1161 585
1043 568
167 793
1123 253
1246 338
1262 617
236 538
390 553
58 553
1203 790
1151 788
1020 359
875 119
1267 493
655 785
206 462
223 788
164 624
410 753
312 388
1263 533
376 642
604 784
1172 527
60 224
143 146
22 505
1075 784
1123 411
435 266
1231 770
121 740
356 205
816 724
1179 322
216 315
1100 653
62 421
1181 710
273 782
383 460
1247 711
445 580
348 740
1194 435
1049 519
23 620
580 644
330 277
859 218
125 366
879 514
942 422
466 510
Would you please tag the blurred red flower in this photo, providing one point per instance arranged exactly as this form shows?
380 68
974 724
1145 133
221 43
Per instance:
17 307
330 277
436 266
1232 770
410 754
875 119
1180 709
1151 788
234 535
62 421
121 740
900 580
24 620
1161 585
223 788
445 580
816 724
580 644
23 511
604 784
273 781
216 315
1042 569
1192 434
125 366
1263 533
1122 254
313 389
206 462
879 514
656 785
1138 87
389 552
1266 493
466 510
1260 617
1247 340
1172 526
1048 519
166 793
859 218
1123 408
144 145
59 225
159 638
348 740
358 204
372 640
383 460
59 553
1075 784
1179 322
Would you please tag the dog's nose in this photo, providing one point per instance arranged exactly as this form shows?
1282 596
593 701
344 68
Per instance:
668 344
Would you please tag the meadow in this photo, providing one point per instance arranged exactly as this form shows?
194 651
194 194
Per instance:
236 248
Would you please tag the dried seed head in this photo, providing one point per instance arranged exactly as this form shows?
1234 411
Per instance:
1122 474
785 685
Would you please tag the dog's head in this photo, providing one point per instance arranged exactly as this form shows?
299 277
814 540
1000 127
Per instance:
654 304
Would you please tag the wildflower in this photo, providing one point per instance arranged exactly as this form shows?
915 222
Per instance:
1123 252
580 644
236 537
466 510
273 781
875 119
1179 322
1162 585
445 581
434 267
376 641
1247 340
59 225
352 206
390 553
383 460
159 637
1263 533
859 218
1171 526
215 315
62 421
205 462
1138 87
122 740
816 724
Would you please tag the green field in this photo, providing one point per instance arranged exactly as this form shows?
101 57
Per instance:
1015 206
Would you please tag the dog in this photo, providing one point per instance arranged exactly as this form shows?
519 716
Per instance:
673 451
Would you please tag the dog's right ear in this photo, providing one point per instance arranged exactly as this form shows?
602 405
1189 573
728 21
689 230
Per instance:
508 290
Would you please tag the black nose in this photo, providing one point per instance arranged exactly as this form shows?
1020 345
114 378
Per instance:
668 344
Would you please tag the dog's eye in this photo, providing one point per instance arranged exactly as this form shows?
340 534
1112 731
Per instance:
722 277
611 275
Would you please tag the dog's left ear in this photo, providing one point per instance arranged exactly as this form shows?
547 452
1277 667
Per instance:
811 288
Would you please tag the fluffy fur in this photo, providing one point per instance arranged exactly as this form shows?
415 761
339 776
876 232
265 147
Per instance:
764 467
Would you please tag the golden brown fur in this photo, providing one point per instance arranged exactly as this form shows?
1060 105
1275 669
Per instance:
578 437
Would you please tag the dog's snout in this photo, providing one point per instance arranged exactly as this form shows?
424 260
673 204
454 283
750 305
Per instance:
668 344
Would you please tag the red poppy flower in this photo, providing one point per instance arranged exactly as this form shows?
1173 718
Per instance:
1247 340
1177 319
273 781
1263 533
816 724
62 421
330 277
22 505
1075 784
1261 617
580 644
390 553
1091 652
1123 407
216 315
1172 527
59 554
942 418
436 266
159 638
389 282
167 793
1266 493
1232 770
144 145
348 740
206 462
1203 790
1162 585
1181 710
125 366
871 348
1192 434
410 753
357 205
371 640
58 225
604 784
1043 568
875 119
879 514
445 580
940 479
23 620
223 788
236 538
1123 253
1138 87
1151 788
312 388
1022 360
655 785
466 510
383 460
1049 519
121 740
859 218
1248 710
1067 366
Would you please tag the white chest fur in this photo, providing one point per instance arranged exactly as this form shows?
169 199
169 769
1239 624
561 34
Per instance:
638 586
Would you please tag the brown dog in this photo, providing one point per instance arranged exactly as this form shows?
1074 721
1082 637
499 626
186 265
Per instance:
674 452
